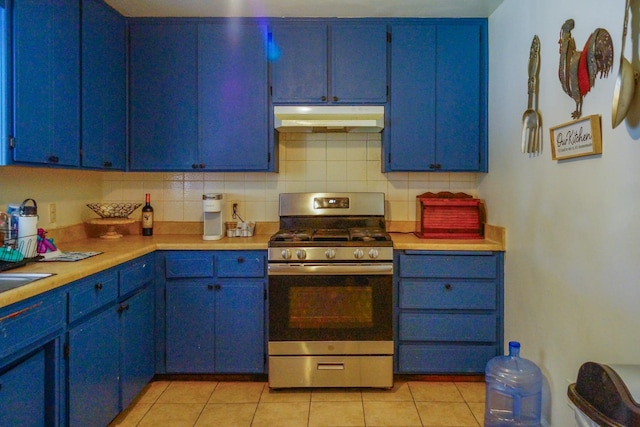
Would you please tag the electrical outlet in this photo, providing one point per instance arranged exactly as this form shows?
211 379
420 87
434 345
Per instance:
53 213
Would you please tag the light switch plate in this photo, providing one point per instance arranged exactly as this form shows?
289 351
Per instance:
53 213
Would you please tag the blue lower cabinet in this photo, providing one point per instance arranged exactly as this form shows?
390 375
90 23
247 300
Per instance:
214 324
30 359
189 320
449 311
239 327
215 327
93 366
22 393
110 348
136 345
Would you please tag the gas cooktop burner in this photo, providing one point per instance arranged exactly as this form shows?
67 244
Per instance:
292 236
368 235
332 235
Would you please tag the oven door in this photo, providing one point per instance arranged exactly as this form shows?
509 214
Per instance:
330 302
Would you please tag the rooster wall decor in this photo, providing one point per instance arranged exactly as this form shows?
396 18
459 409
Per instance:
578 69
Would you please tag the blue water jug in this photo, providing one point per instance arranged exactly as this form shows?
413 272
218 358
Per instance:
514 391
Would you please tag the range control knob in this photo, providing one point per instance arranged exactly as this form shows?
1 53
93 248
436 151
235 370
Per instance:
330 253
286 254
374 253
358 253
301 254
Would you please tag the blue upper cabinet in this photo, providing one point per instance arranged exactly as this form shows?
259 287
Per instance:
437 119
233 117
298 59
46 82
198 96
104 102
461 97
163 95
359 63
322 62
411 133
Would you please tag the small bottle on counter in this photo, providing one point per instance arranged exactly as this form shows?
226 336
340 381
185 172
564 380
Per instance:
147 216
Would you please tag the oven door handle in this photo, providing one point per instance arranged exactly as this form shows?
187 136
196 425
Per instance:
330 269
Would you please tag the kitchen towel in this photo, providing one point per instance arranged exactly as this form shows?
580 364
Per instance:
67 256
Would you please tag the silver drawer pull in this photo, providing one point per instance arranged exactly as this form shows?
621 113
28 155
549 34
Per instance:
331 366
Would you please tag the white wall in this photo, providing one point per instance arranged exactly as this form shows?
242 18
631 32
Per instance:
572 265
70 190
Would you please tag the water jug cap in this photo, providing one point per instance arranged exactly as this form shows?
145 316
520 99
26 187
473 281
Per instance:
514 348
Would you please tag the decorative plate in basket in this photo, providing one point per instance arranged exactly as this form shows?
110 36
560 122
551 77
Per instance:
114 210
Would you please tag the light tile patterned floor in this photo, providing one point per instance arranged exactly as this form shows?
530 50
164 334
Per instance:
238 404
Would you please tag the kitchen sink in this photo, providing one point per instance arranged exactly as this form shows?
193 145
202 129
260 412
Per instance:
15 280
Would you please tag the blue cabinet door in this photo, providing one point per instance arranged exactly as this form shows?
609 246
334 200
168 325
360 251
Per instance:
298 57
437 118
411 135
233 116
359 63
136 344
104 102
460 98
93 367
46 82
190 326
213 324
163 95
22 393
322 62
239 326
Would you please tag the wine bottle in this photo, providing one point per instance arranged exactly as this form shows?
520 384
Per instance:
147 217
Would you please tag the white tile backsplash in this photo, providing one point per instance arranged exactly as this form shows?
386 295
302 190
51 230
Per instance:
308 162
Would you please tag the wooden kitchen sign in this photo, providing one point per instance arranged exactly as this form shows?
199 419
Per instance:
578 138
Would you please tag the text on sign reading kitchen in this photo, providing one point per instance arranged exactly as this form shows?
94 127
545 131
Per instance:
573 139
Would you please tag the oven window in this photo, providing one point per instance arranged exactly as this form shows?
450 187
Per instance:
330 307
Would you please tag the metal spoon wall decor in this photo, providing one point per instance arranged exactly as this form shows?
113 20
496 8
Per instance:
626 81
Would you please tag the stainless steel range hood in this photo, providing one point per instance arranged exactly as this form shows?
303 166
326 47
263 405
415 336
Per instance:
328 118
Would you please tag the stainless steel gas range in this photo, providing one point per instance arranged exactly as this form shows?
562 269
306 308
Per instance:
330 292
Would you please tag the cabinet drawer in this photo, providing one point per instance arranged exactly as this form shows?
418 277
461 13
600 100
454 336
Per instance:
240 264
91 293
136 273
24 323
447 327
444 359
189 264
460 266
440 294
